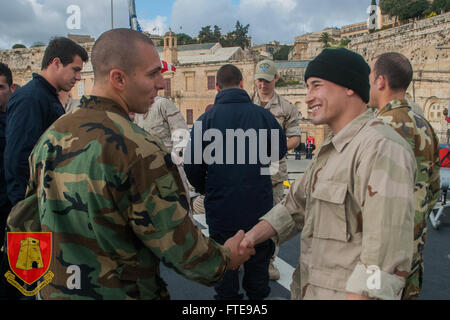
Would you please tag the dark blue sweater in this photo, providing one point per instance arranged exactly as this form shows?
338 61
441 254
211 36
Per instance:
236 195
3 196
31 110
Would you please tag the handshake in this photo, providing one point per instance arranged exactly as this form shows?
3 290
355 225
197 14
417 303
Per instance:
241 249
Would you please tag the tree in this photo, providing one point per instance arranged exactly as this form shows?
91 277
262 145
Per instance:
18 46
414 9
404 9
282 53
439 6
236 38
183 38
37 44
206 35
325 38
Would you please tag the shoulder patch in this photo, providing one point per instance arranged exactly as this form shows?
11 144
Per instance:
166 185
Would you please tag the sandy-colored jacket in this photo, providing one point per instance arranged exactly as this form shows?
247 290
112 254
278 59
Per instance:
162 120
354 207
288 117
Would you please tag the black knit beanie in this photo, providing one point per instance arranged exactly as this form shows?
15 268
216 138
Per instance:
343 67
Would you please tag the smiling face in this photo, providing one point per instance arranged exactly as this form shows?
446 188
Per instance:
326 101
144 83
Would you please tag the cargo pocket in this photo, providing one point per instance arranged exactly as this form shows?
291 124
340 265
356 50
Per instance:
330 217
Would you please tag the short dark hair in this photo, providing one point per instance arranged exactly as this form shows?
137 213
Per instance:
6 71
64 49
117 49
228 76
396 68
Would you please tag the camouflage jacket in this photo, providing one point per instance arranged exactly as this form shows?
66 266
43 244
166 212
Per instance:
161 120
354 209
116 208
420 135
288 117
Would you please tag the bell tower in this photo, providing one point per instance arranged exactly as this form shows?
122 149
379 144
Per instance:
170 48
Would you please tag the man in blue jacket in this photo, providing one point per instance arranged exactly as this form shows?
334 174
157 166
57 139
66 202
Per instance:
228 160
35 107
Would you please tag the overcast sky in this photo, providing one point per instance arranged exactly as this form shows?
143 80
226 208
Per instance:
32 21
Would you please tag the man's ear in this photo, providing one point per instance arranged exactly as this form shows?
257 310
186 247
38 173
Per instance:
241 84
13 88
277 77
217 88
350 92
381 83
57 63
117 79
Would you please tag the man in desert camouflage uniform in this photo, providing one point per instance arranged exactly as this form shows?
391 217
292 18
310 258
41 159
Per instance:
389 79
354 204
164 121
266 76
109 193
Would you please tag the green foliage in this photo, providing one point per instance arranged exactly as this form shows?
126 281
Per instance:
344 43
183 38
283 83
206 35
18 46
439 6
236 38
404 9
326 39
283 53
37 44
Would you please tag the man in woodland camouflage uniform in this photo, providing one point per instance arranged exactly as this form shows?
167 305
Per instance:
389 79
354 204
109 193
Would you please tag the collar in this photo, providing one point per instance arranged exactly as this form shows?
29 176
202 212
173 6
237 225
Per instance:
45 83
347 134
394 104
233 95
275 100
102 104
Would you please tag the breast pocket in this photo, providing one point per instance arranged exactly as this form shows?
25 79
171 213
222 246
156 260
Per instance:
330 217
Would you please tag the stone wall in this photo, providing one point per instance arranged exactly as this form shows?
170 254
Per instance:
418 41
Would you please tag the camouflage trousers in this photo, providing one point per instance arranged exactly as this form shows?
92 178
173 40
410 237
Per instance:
414 282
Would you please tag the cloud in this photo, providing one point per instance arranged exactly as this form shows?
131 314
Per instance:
156 26
30 21
269 20
191 15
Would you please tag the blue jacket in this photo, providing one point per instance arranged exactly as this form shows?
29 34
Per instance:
3 196
31 110
236 194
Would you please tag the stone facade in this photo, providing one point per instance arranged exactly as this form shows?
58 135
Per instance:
427 44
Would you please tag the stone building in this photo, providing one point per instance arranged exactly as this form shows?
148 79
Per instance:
267 49
354 30
427 44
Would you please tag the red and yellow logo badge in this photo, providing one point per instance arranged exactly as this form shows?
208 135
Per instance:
29 256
